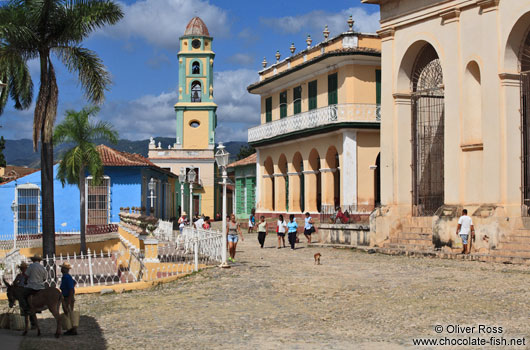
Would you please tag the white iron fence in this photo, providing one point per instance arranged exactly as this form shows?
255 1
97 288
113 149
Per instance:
334 114
181 255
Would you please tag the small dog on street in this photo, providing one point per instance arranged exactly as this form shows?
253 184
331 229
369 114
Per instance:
317 258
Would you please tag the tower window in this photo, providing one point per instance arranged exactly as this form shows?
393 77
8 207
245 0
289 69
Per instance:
196 43
196 68
196 91
195 123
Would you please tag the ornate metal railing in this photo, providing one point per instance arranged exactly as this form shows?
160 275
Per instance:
352 112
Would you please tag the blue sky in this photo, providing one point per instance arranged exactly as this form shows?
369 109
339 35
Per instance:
141 54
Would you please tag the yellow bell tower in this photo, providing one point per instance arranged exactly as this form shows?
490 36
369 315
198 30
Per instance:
196 121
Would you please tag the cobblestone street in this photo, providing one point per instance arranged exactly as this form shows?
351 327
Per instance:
278 299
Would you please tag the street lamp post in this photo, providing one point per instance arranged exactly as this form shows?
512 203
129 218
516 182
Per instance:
152 196
14 208
221 157
182 180
191 179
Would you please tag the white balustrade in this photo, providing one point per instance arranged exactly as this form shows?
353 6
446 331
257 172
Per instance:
335 114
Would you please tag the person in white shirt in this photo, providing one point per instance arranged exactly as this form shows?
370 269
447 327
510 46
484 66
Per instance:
183 221
281 226
199 223
36 277
465 228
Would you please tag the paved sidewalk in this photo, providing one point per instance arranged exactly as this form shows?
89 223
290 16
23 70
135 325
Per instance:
278 299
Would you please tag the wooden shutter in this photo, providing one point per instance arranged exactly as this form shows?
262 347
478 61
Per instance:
312 94
283 104
378 86
268 110
332 89
297 99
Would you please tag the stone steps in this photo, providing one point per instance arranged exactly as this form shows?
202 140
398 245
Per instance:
516 239
513 246
513 253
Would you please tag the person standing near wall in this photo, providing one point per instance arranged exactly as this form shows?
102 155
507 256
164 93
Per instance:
292 227
251 220
308 227
465 228
262 231
281 226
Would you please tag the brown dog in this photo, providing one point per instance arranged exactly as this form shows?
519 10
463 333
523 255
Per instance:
317 258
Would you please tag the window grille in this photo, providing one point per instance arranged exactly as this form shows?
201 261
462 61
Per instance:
27 199
196 68
525 123
97 201
427 133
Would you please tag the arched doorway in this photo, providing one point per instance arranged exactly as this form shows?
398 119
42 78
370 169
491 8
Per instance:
313 182
524 57
427 102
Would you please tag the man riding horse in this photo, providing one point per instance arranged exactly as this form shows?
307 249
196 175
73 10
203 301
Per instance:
34 296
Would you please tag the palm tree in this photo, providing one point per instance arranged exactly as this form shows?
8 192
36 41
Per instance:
76 129
36 29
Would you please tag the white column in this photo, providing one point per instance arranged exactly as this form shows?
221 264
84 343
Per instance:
349 167
191 204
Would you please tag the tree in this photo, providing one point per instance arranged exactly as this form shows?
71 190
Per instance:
3 162
245 151
36 29
83 156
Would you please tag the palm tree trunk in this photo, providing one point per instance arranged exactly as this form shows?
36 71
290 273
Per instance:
82 209
43 107
48 210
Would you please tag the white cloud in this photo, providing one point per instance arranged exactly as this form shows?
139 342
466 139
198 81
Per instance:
315 21
162 22
154 115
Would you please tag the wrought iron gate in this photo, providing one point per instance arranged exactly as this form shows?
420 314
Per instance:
427 134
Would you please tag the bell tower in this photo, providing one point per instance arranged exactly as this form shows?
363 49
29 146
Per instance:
195 128
196 117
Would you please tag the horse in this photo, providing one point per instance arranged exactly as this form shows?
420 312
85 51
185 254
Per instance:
50 298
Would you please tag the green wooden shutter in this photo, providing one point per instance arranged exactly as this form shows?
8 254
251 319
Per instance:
378 86
268 110
240 195
287 193
283 104
312 94
297 99
332 89
251 193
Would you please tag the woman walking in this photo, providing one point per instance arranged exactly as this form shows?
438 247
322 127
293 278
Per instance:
292 226
262 231
281 226
308 227
234 230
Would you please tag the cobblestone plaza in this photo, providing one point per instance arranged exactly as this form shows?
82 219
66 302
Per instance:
278 299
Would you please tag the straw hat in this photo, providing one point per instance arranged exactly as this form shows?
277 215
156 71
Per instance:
184 213
66 265
35 258
23 265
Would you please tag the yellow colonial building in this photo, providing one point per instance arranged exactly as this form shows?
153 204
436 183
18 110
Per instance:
456 88
318 142
196 120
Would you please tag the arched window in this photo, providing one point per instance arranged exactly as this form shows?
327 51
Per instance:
196 68
524 64
427 132
196 91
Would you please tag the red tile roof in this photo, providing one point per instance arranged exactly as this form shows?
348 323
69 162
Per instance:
12 172
111 157
245 161
196 27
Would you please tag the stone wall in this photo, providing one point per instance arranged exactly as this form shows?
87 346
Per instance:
348 234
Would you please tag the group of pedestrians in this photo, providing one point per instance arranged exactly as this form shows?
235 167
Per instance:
202 222
285 227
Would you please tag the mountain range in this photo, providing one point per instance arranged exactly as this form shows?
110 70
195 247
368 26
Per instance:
20 152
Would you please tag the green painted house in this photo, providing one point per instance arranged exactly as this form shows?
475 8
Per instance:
244 175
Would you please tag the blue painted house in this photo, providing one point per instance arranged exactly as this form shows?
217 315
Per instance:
125 184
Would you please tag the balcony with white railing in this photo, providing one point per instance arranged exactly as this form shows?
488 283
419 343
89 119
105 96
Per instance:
326 116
